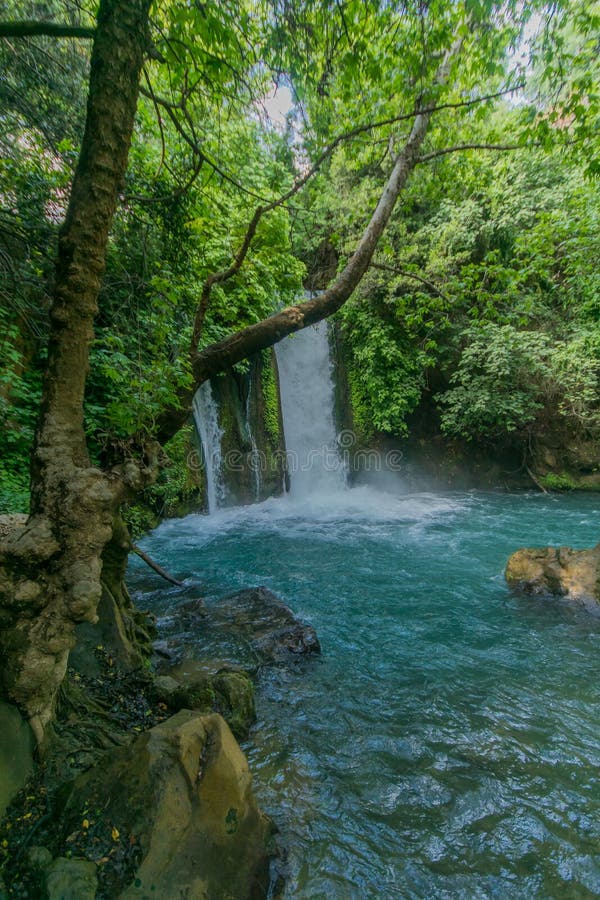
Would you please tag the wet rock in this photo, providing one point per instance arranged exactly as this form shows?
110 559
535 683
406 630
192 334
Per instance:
71 879
191 610
231 693
181 795
166 653
235 692
272 629
10 522
16 753
557 571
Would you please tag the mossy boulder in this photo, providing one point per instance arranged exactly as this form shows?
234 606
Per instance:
231 693
181 796
559 572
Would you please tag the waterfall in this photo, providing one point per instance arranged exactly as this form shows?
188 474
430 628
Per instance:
206 417
255 458
307 407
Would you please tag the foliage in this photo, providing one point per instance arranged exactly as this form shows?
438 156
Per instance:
558 482
270 397
496 249
487 299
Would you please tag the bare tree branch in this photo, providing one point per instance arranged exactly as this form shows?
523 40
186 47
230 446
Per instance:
461 147
155 566
45 29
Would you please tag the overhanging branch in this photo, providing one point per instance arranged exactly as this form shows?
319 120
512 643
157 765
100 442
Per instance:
444 151
234 268
223 354
45 29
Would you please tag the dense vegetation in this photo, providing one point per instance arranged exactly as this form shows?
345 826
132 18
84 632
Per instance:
484 296
434 175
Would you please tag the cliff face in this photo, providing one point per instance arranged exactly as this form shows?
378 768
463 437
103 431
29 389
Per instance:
252 444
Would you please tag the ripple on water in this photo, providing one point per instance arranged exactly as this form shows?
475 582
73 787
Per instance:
447 743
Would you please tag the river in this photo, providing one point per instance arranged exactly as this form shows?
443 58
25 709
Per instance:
447 742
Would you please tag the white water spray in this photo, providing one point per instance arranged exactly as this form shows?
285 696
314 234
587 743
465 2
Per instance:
206 417
307 407
255 458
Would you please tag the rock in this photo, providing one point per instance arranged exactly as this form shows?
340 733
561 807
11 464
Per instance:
558 571
181 795
235 698
267 623
39 858
191 610
230 693
166 652
16 753
10 522
71 879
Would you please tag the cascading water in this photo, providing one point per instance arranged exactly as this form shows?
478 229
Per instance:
206 417
307 404
255 458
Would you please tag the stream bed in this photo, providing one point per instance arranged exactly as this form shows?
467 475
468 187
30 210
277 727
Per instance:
447 741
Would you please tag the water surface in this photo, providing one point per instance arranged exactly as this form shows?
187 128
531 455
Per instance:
447 743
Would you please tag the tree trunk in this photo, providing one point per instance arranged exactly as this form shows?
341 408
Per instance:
50 575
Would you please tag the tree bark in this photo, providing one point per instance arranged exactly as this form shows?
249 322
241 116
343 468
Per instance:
50 575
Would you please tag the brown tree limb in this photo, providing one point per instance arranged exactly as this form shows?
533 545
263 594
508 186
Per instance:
155 566
234 268
45 29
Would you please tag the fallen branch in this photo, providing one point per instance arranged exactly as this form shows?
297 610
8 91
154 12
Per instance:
535 480
155 566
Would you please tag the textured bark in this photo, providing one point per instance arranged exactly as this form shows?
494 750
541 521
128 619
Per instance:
50 576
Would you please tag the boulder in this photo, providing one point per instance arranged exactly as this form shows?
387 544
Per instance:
11 522
271 628
228 692
559 572
71 879
191 611
179 801
16 753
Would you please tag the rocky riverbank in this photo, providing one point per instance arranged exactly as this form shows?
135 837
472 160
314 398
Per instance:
144 790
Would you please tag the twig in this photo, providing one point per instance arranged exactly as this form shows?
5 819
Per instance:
404 274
